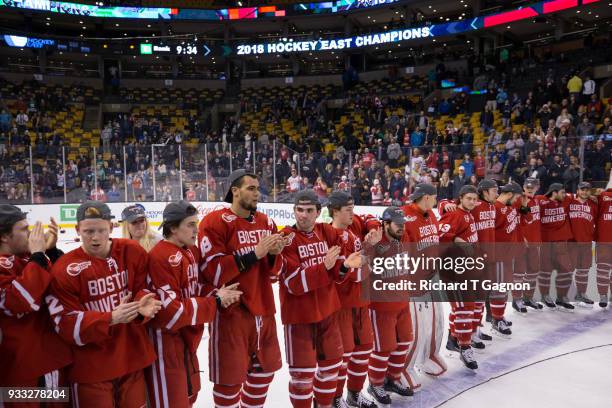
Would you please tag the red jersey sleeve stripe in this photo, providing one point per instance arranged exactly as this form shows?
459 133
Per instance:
26 295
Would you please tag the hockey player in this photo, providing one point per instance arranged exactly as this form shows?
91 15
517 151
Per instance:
427 315
556 232
582 217
391 321
314 260
484 216
531 234
353 317
98 302
187 303
32 353
240 245
459 226
508 246
603 238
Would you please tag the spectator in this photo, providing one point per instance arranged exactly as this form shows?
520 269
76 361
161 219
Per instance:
495 169
394 151
588 89
596 160
468 165
445 188
294 182
574 85
397 184
459 181
22 122
585 128
376 193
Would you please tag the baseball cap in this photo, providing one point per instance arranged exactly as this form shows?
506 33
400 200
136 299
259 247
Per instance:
10 214
102 211
421 190
132 213
394 214
307 197
232 179
584 185
532 182
511 187
178 211
467 190
554 187
486 184
339 199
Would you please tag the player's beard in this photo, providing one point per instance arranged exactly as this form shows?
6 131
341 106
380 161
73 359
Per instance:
395 235
247 206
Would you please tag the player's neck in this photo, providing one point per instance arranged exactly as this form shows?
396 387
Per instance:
237 209
5 249
175 241
339 225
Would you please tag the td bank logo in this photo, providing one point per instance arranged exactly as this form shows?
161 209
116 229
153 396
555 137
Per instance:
68 212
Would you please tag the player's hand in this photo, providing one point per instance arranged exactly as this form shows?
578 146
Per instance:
36 240
331 257
280 244
51 234
524 201
229 295
450 207
373 237
265 244
125 312
353 260
148 306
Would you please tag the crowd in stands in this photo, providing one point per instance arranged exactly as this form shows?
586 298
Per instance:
377 146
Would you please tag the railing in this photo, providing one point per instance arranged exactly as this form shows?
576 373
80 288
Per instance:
54 174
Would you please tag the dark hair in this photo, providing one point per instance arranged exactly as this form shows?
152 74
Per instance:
331 207
238 183
167 228
6 229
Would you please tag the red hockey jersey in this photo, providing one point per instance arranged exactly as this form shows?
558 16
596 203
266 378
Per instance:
349 290
307 289
603 231
222 235
388 248
458 224
583 217
29 347
530 227
84 292
555 221
506 223
484 217
175 276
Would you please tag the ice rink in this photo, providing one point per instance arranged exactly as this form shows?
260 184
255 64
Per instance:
554 359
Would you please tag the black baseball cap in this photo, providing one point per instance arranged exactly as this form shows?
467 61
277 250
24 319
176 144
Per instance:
421 190
132 213
532 182
338 199
467 190
11 214
554 187
178 211
233 179
306 197
512 187
394 214
486 184
103 211
585 185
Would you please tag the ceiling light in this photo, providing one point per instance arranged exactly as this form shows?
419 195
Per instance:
116 24
148 25
48 18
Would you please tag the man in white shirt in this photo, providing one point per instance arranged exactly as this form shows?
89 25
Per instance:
588 89
294 182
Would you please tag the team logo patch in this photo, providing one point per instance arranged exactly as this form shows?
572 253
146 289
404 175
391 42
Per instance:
345 236
410 218
504 210
7 263
467 218
228 217
74 269
175 260
607 198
